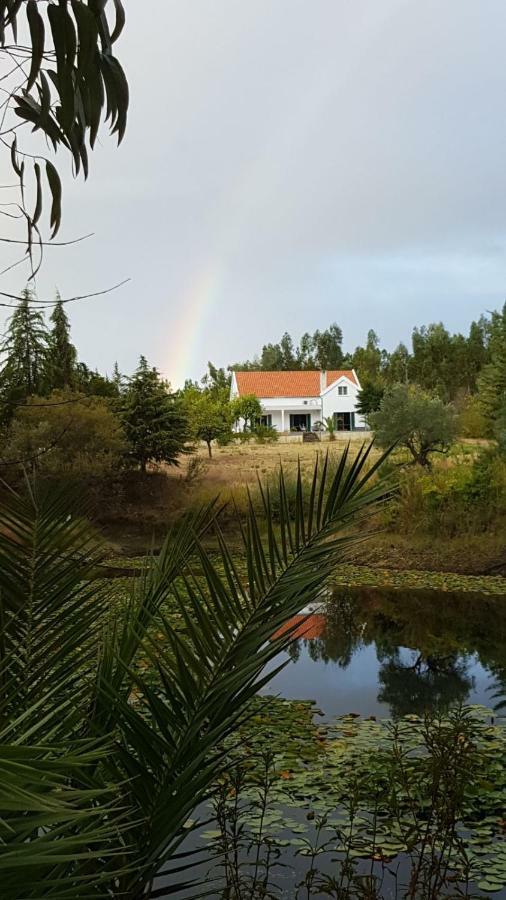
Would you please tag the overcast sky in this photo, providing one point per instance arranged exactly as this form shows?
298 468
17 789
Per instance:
289 164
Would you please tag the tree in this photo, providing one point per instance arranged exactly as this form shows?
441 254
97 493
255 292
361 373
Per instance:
217 382
154 421
24 349
492 380
208 418
367 360
416 420
62 356
94 384
247 408
327 348
113 720
66 434
66 82
397 366
369 398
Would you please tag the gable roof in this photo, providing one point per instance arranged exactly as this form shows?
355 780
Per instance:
302 383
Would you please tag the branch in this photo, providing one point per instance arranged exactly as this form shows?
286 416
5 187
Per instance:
44 304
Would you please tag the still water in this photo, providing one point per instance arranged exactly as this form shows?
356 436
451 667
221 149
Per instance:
388 653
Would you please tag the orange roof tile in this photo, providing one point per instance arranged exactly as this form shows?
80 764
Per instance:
304 383
308 627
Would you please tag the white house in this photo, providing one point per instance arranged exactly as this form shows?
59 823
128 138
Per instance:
299 401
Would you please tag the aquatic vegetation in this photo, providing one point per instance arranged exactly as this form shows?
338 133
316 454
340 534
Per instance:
352 806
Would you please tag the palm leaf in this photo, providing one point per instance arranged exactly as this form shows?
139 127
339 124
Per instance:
173 732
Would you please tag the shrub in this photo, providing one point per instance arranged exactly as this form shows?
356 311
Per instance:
265 434
66 434
463 499
471 420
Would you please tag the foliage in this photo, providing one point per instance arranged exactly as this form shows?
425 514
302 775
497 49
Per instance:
472 422
81 674
94 384
25 349
246 408
265 434
363 576
492 380
62 355
209 415
369 398
408 808
65 83
460 499
500 429
411 417
330 427
153 418
321 350
66 434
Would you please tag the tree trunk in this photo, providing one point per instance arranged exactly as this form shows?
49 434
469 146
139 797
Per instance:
209 449
143 466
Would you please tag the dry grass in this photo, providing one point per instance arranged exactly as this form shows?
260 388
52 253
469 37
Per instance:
238 465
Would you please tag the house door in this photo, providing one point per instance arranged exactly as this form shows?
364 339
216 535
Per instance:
344 421
300 422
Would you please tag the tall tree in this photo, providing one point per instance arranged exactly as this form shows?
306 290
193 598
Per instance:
367 360
492 380
62 357
327 348
24 351
153 418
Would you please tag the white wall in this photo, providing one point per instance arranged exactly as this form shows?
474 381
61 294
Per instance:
319 407
333 402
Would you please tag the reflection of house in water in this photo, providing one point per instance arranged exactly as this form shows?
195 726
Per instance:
304 626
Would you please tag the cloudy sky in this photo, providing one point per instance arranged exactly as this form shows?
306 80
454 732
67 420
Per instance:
289 164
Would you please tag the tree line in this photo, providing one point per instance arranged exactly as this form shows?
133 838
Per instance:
438 361
57 413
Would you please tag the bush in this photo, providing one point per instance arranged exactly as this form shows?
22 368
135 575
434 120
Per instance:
265 434
462 499
66 434
471 421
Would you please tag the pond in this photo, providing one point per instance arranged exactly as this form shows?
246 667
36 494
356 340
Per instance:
369 655
388 653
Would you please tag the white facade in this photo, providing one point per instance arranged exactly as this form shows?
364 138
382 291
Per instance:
337 401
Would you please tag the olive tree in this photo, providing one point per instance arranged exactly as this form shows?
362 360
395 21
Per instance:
416 420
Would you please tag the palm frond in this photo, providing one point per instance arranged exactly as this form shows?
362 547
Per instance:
173 732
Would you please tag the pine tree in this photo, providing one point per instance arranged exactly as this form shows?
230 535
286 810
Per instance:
492 380
63 354
25 352
153 418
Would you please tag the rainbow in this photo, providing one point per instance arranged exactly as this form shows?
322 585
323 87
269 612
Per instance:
249 197
197 302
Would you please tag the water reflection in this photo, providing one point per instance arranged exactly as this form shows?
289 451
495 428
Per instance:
390 653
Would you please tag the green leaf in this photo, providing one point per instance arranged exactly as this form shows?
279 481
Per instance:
37 34
56 193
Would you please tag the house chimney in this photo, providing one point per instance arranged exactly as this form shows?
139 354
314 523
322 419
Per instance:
323 380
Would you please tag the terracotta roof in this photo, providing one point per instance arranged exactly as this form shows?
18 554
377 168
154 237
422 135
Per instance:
287 384
308 627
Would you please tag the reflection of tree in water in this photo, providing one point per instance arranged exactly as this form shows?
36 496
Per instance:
446 630
430 683
343 632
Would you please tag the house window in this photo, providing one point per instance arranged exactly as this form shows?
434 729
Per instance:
265 420
342 390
